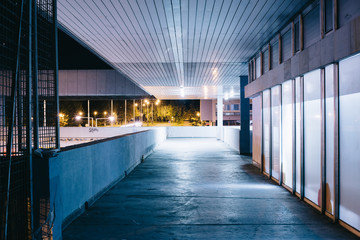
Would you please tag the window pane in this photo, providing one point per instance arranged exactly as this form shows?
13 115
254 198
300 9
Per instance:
297 36
349 127
274 54
286 46
312 135
258 62
287 132
328 15
276 130
266 129
266 60
312 26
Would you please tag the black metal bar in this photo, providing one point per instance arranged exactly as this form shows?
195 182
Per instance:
56 69
12 118
36 81
29 115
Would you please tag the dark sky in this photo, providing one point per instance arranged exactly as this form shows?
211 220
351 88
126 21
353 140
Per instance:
73 55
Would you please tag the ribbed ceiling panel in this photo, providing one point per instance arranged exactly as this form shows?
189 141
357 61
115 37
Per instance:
164 45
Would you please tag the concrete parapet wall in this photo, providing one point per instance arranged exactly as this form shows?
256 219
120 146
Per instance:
232 136
191 132
81 174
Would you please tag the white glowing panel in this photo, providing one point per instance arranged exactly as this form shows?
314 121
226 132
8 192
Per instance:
297 134
329 134
312 135
349 120
287 133
276 130
266 130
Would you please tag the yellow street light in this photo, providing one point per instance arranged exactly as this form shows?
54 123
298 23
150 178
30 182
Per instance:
95 113
198 114
136 104
80 113
105 112
61 115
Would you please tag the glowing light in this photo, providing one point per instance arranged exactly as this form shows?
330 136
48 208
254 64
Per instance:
95 113
80 113
61 115
105 112
111 118
226 96
78 118
182 92
136 104
198 114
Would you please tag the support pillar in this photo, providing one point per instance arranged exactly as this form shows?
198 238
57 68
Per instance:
125 111
88 113
244 140
219 115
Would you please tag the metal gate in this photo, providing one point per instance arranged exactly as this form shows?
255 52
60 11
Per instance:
28 111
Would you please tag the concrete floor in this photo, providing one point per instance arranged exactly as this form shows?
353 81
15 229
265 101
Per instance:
200 189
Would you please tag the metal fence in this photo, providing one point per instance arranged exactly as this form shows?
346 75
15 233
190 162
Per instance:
28 110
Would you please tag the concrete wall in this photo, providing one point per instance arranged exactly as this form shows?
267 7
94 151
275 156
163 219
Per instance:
336 45
99 132
84 172
191 132
77 83
232 136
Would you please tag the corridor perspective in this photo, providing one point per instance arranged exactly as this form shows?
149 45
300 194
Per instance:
199 188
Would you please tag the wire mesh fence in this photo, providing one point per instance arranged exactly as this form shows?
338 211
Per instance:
27 87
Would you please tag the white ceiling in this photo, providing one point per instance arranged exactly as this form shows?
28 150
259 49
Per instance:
191 49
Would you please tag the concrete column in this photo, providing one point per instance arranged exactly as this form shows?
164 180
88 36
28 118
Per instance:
220 113
88 113
244 147
125 111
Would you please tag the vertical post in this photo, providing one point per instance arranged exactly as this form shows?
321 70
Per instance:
323 142
269 57
302 159
244 147
35 77
335 15
45 113
322 19
9 143
261 63
111 110
152 112
270 138
293 38
220 117
125 111
28 118
88 104
134 110
56 68
294 136
141 113
262 134
280 48
281 145
336 143
301 30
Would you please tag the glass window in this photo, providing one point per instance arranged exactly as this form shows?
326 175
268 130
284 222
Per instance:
274 54
297 36
287 132
312 135
266 60
328 15
266 130
236 107
329 134
276 130
349 127
312 25
286 46
258 62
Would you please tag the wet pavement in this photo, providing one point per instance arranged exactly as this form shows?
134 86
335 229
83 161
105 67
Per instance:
200 189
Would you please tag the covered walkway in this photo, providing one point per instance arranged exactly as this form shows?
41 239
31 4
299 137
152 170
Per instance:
200 189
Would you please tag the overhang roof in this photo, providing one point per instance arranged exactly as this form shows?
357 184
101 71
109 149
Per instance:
192 49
